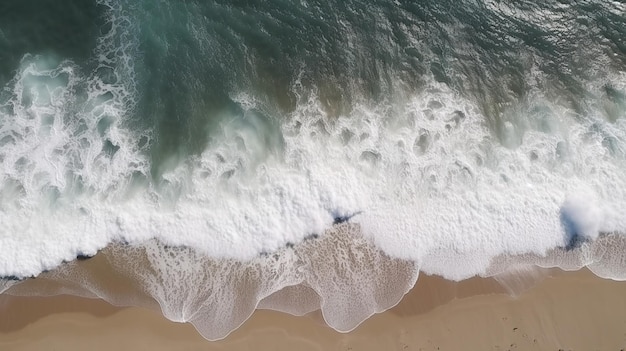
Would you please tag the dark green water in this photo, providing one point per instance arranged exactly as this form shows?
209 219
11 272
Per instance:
193 55
44 27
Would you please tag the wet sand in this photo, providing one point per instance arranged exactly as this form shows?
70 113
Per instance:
568 311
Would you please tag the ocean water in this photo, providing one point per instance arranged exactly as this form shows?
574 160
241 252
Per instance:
302 155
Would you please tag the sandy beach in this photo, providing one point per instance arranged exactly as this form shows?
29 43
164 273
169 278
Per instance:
566 310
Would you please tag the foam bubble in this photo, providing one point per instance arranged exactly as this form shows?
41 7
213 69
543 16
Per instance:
581 216
605 257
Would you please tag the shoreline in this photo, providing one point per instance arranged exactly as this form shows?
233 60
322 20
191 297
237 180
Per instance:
565 310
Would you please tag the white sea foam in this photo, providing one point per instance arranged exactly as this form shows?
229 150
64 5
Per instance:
425 178
582 216
63 149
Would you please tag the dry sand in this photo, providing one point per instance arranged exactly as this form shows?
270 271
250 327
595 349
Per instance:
569 311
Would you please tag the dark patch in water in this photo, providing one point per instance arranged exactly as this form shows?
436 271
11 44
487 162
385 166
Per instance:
275 256
12 278
338 219
122 242
45 27
82 257
109 149
573 238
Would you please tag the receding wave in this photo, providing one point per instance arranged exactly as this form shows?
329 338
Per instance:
340 273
